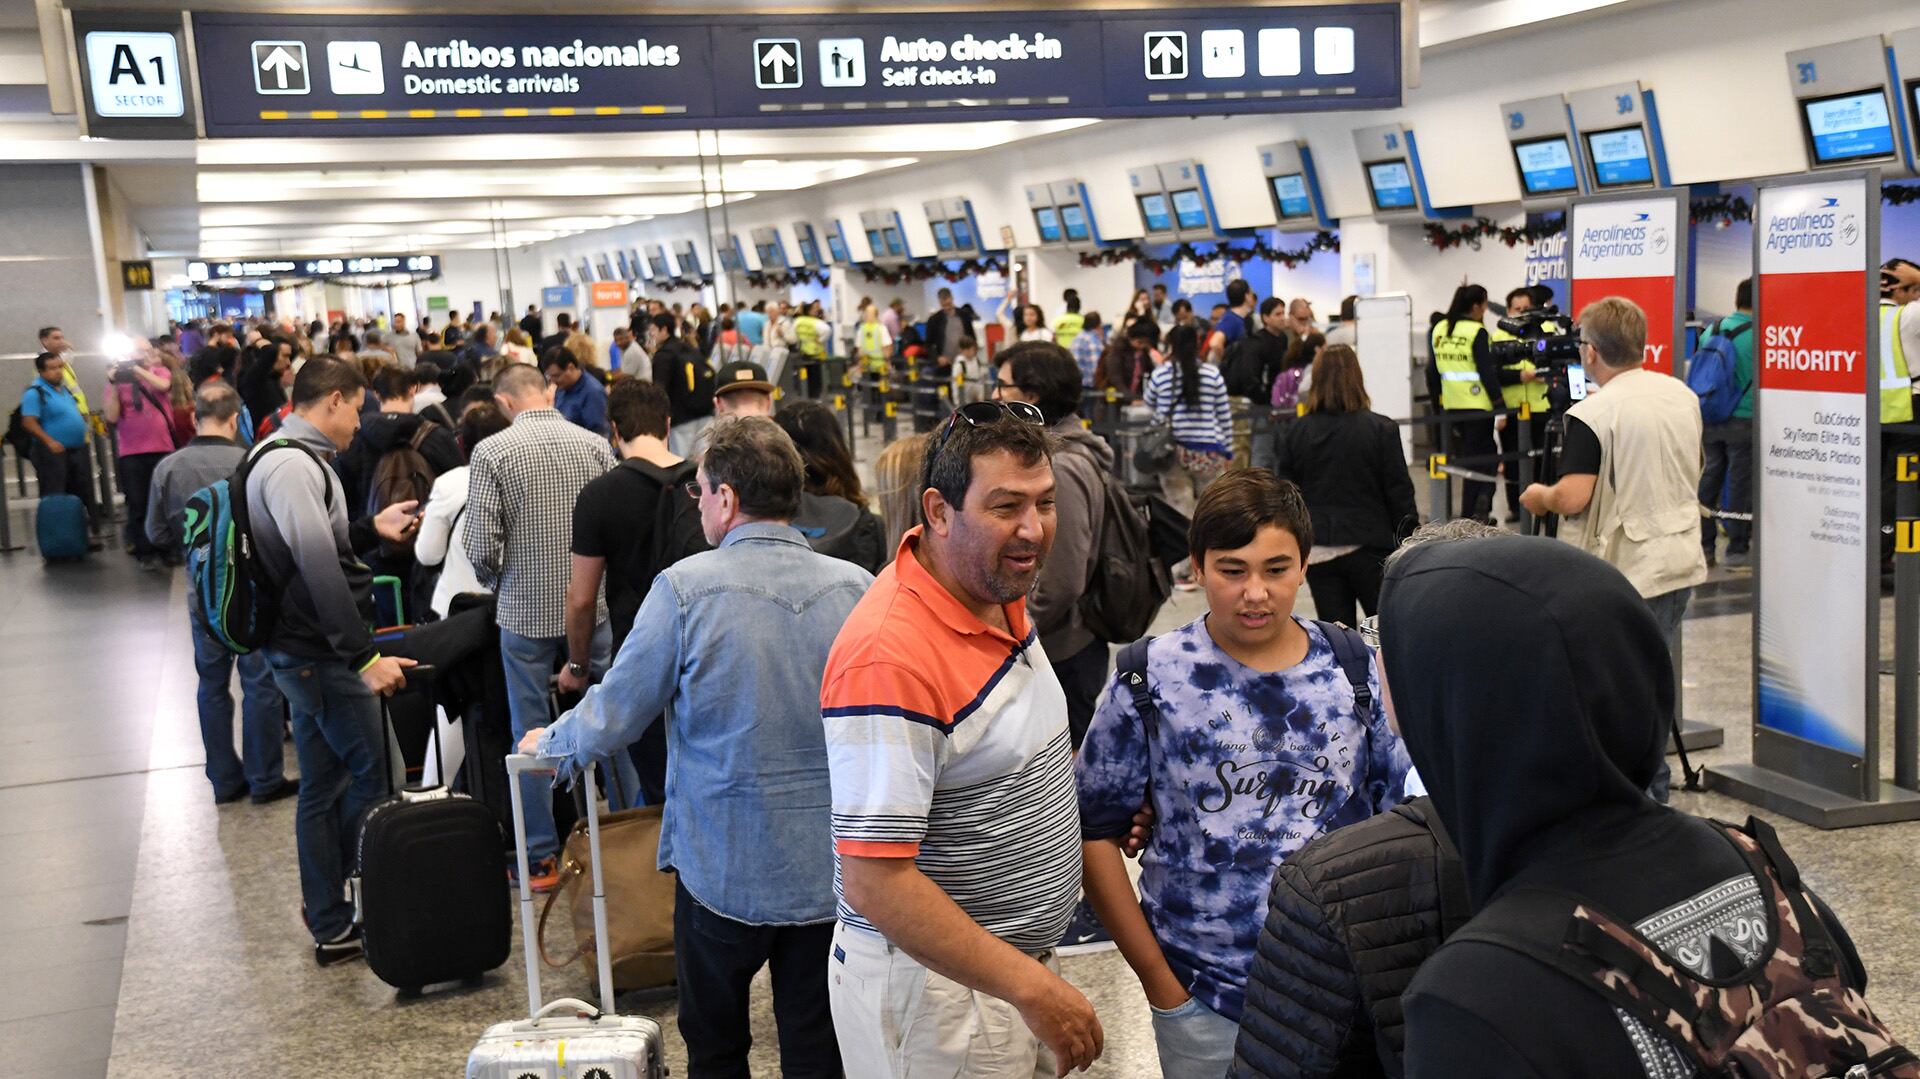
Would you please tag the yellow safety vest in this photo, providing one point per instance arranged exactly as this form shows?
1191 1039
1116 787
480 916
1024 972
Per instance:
1533 393
1067 327
1896 387
812 336
1461 389
870 348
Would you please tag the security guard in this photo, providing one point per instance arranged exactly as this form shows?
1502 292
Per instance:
1899 336
1518 386
1464 381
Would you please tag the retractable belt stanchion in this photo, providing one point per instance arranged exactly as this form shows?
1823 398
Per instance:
103 457
1440 487
7 546
1529 472
1906 623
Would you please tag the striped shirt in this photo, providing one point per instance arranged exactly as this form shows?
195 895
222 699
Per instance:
947 743
1205 426
521 487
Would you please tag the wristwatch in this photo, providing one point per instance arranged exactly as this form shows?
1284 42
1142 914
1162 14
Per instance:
578 670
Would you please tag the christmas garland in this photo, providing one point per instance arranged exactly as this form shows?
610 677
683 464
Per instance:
1716 210
923 271
761 280
1189 254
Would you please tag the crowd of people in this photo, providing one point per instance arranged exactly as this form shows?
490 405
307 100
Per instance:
1345 831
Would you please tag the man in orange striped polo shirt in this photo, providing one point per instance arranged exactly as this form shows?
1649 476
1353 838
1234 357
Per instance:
955 824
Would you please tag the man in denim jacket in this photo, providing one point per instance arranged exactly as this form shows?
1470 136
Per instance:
731 644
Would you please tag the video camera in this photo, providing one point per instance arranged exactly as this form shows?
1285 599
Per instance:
1551 343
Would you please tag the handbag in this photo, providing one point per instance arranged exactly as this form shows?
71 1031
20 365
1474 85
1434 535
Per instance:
639 899
1154 452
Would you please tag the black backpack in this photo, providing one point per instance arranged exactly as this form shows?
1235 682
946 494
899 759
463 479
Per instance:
676 531
18 436
839 529
691 383
1245 370
1129 582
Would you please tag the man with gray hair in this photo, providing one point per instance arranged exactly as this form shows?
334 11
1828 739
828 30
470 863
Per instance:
213 455
731 644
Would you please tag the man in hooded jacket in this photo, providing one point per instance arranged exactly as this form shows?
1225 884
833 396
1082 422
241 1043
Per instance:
1545 787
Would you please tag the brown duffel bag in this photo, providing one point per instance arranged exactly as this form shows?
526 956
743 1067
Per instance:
639 899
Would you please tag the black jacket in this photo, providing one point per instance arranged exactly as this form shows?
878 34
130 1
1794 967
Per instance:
381 432
1350 918
669 373
1353 471
937 327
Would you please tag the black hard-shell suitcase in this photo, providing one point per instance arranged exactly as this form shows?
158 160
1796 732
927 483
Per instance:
432 890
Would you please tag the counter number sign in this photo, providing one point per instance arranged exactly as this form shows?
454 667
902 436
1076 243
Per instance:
1166 54
135 74
776 63
280 67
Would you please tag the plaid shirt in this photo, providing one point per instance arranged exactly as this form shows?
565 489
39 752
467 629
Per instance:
520 494
1087 347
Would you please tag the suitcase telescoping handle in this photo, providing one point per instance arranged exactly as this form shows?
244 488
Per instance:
519 764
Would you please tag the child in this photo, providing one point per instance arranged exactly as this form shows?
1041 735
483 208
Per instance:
969 373
1255 745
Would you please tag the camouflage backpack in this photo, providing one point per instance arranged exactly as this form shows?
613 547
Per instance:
1790 1015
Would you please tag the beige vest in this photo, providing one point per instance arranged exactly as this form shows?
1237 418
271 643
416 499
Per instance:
1645 514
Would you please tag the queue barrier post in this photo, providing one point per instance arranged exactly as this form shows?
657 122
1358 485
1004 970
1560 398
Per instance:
1440 485
7 546
1528 472
1906 622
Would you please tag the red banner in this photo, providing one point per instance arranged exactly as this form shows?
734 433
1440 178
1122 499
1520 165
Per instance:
1815 334
1654 295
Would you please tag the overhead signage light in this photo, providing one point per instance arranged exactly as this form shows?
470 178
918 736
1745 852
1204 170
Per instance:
279 74
203 270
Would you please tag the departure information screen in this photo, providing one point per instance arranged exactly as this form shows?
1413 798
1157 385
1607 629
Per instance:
1546 166
962 234
1189 209
1047 220
1620 157
942 236
1074 217
1290 195
837 247
1153 210
1849 127
1391 184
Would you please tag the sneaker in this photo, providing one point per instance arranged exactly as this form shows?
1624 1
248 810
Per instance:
1085 935
545 874
1738 558
287 789
340 949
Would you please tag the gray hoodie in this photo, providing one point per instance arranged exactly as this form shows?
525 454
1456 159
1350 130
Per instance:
299 516
1080 501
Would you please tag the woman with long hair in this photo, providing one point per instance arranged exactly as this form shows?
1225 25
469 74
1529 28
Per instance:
896 472
1352 469
1463 381
1296 372
1141 306
1033 324
1129 359
815 431
1191 397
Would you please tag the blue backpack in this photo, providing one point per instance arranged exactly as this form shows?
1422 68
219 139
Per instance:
1713 375
223 564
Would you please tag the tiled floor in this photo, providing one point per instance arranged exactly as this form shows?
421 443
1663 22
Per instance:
145 933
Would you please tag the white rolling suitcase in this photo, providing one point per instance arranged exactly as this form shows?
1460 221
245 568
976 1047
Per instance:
567 1039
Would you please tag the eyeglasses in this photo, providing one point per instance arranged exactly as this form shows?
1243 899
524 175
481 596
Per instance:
692 487
981 413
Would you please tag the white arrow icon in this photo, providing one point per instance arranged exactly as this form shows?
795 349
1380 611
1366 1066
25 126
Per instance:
778 60
1167 55
776 63
279 62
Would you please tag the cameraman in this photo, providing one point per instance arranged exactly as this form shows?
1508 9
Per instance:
1520 385
1644 517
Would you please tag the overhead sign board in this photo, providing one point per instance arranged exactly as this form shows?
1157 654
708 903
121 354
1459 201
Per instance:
284 74
609 294
133 72
199 270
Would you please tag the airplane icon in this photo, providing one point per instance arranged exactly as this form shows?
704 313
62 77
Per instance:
355 68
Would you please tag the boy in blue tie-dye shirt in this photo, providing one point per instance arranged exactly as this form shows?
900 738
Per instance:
1257 750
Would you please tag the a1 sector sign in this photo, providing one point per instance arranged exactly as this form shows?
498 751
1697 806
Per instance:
1816 431
1634 247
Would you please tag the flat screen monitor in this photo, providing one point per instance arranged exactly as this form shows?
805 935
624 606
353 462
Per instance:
942 236
1047 220
1620 157
895 245
837 247
1546 166
605 268
1073 217
659 264
620 258
1189 209
1153 211
1391 184
586 273
875 244
809 254
634 264
962 234
1848 127
1290 196
560 274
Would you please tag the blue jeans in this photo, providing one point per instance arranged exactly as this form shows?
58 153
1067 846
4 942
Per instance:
1195 1042
259 770
531 663
338 738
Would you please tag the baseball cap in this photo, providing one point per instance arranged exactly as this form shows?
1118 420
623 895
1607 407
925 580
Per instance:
744 375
